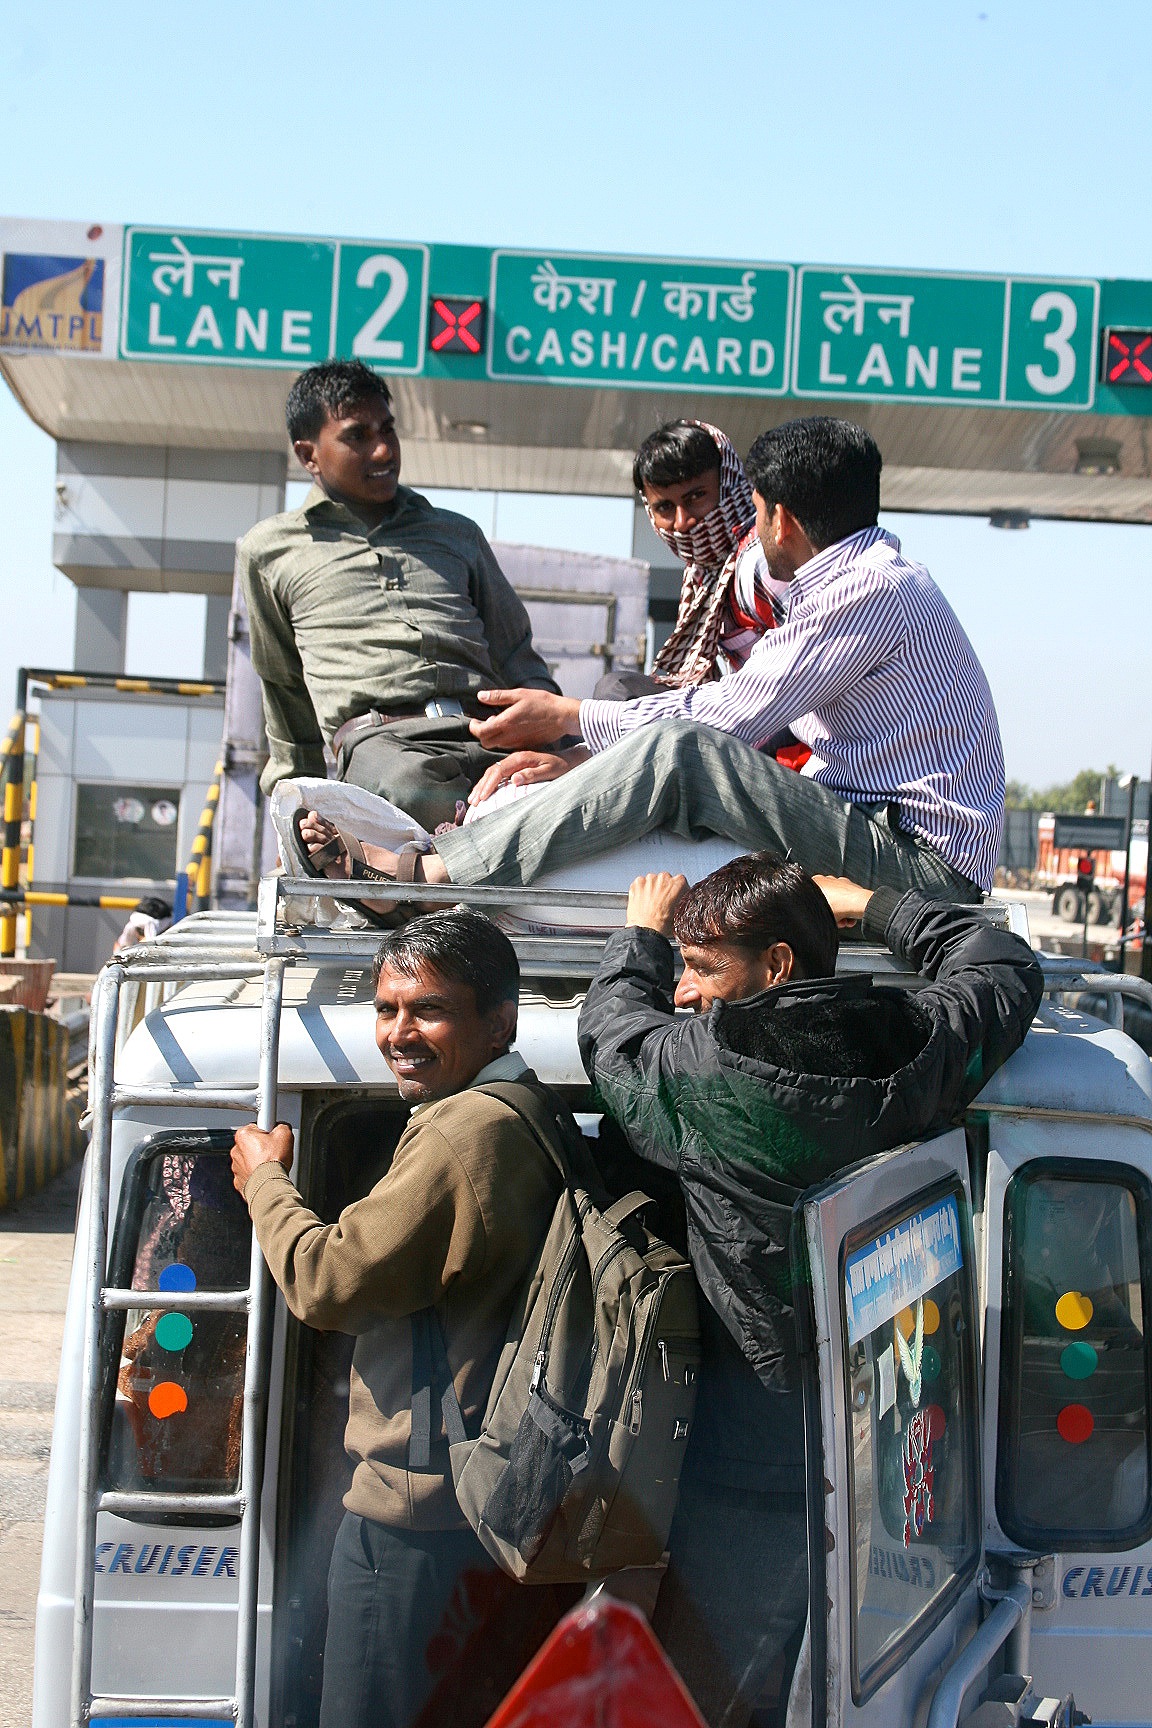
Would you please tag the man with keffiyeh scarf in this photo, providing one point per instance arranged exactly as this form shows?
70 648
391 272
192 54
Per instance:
700 505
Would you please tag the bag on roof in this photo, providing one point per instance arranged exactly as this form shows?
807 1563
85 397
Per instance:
575 1471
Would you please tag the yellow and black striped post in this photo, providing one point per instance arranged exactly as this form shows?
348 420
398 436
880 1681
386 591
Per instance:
15 897
200 863
53 680
13 810
33 750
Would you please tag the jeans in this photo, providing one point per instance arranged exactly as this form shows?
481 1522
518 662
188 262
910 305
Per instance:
734 1598
695 781
425 766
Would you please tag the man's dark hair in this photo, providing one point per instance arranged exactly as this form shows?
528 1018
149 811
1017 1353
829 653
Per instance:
327 391
755 901
153 907
459 945
675 452
825 471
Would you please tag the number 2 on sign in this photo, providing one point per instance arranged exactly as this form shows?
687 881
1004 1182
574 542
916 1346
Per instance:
366 344
1056 341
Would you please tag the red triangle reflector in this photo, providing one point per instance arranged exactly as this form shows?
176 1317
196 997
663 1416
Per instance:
601 1668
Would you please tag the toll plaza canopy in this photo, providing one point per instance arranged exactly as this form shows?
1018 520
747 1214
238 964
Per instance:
541 370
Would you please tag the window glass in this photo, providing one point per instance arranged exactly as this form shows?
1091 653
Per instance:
126 832
1073 1454
912 1405
174 1380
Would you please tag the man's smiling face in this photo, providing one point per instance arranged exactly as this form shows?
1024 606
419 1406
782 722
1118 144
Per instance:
356 456
432 1035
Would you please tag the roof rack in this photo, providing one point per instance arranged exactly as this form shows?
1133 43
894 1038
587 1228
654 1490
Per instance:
209 940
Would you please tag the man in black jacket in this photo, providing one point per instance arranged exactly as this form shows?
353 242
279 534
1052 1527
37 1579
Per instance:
782 1076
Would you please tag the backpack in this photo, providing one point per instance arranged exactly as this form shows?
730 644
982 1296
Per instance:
575 1471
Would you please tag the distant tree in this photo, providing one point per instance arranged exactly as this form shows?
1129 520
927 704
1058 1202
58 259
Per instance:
1071 798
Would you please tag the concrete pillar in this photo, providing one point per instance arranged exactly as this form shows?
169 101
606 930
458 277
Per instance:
101 629
216 610
159 520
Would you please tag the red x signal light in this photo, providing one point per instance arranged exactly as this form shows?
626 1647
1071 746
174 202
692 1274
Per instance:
1127 357
456 326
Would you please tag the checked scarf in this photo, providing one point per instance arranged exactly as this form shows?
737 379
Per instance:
709 552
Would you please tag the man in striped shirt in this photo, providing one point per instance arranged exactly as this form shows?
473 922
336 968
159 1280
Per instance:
871 670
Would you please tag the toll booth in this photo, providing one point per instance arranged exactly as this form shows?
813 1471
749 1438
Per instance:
121 781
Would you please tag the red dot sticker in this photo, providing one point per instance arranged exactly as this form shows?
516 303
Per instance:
167 1399
936 1423
1075 1423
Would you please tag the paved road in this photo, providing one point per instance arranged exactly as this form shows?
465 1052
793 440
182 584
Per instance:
35 1258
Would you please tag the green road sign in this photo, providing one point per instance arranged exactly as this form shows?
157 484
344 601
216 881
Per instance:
880 336
642 323
254 301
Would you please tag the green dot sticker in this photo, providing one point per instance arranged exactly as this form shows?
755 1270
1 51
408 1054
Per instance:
930 1367
1078 1360
173 1331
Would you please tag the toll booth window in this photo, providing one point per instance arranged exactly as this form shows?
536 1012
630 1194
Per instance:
126 832
173 1380
1073 1459
911 1385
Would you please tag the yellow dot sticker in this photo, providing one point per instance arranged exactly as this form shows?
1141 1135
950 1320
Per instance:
906 1319
1074 1311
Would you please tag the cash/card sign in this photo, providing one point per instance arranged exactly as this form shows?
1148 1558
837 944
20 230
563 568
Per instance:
250 300
644 323
1010 341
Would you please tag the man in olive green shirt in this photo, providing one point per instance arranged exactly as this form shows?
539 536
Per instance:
375 617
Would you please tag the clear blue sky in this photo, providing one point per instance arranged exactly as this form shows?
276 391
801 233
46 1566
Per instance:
990 135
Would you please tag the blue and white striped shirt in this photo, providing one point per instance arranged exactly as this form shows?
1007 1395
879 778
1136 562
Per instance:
872 670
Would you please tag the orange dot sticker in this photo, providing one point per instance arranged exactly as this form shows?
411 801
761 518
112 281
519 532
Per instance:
1074 1311
906 1319
1075 1424
167 1399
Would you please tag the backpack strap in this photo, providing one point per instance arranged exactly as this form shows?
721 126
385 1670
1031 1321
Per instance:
554 1127
564 1144
431 1371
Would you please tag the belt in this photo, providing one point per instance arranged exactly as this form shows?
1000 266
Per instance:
440 708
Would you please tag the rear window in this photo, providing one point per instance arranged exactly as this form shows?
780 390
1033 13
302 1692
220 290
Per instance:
173 1381
911 1387
1074 1458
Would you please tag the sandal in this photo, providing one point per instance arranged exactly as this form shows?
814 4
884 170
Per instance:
341 845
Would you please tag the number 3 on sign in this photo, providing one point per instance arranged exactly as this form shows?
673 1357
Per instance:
1057 342
367 344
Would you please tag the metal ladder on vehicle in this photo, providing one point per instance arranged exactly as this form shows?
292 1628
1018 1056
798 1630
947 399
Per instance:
204 962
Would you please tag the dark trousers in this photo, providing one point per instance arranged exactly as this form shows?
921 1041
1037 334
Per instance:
425 766
733 1601
424 1628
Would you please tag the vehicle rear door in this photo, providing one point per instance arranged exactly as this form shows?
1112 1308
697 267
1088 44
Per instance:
891 1338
